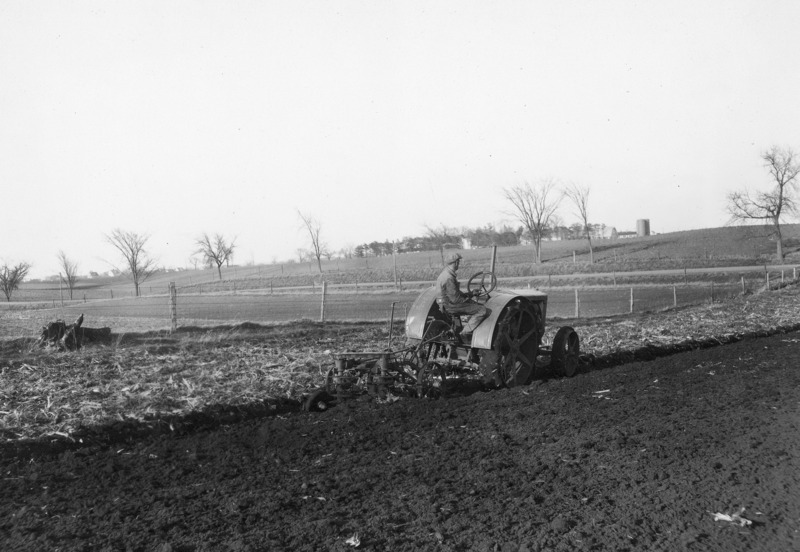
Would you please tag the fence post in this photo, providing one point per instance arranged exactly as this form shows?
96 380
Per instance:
674 296
322 307
173 305
743 291
767 281
494 259
577 304
712 292
574 261
631 300
394 263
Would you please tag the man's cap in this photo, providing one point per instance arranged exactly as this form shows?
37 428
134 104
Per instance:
452 258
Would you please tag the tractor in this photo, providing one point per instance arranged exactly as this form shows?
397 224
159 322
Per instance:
503 351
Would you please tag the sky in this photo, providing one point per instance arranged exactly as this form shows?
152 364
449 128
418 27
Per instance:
378 118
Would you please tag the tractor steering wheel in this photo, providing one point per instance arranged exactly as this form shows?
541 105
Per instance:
482 284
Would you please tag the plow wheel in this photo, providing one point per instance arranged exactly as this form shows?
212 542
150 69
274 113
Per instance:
319 401
406 373
323 398
431 381
511 360
401 379
566 352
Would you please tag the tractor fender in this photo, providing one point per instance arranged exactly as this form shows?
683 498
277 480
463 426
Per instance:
483 337
422 307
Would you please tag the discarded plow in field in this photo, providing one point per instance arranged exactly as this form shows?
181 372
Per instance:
70 337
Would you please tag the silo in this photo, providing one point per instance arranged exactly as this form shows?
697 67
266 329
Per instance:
643 227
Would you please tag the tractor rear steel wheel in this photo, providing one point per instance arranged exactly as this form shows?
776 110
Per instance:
517 343
489 367
566 352
436 331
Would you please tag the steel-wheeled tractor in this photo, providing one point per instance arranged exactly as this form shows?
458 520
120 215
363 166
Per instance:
505 350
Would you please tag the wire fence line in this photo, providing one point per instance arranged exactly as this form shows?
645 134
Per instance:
181 306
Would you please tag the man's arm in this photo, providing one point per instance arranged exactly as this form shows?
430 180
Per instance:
453 291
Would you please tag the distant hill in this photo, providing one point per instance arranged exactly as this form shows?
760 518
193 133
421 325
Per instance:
734 246
727 246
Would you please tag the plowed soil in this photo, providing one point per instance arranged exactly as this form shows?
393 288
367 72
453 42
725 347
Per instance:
634 457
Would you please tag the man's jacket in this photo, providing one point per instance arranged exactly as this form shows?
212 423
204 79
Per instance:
449 289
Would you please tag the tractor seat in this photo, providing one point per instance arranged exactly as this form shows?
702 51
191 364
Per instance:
452 320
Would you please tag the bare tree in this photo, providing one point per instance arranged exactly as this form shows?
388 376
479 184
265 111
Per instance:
131 246
772 205
443 238
313 227
70 269
11 277
579 195
534 207
216 251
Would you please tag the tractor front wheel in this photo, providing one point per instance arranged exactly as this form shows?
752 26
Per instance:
565 356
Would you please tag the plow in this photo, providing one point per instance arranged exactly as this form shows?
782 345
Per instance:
436 360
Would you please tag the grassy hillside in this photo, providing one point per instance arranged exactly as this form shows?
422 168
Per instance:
727 246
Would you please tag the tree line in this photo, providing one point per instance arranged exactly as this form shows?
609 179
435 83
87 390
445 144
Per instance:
484 236
136 262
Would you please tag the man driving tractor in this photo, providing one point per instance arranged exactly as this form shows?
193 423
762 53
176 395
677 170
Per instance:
454 301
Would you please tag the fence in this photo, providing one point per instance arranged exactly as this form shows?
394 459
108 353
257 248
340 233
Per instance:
176 306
